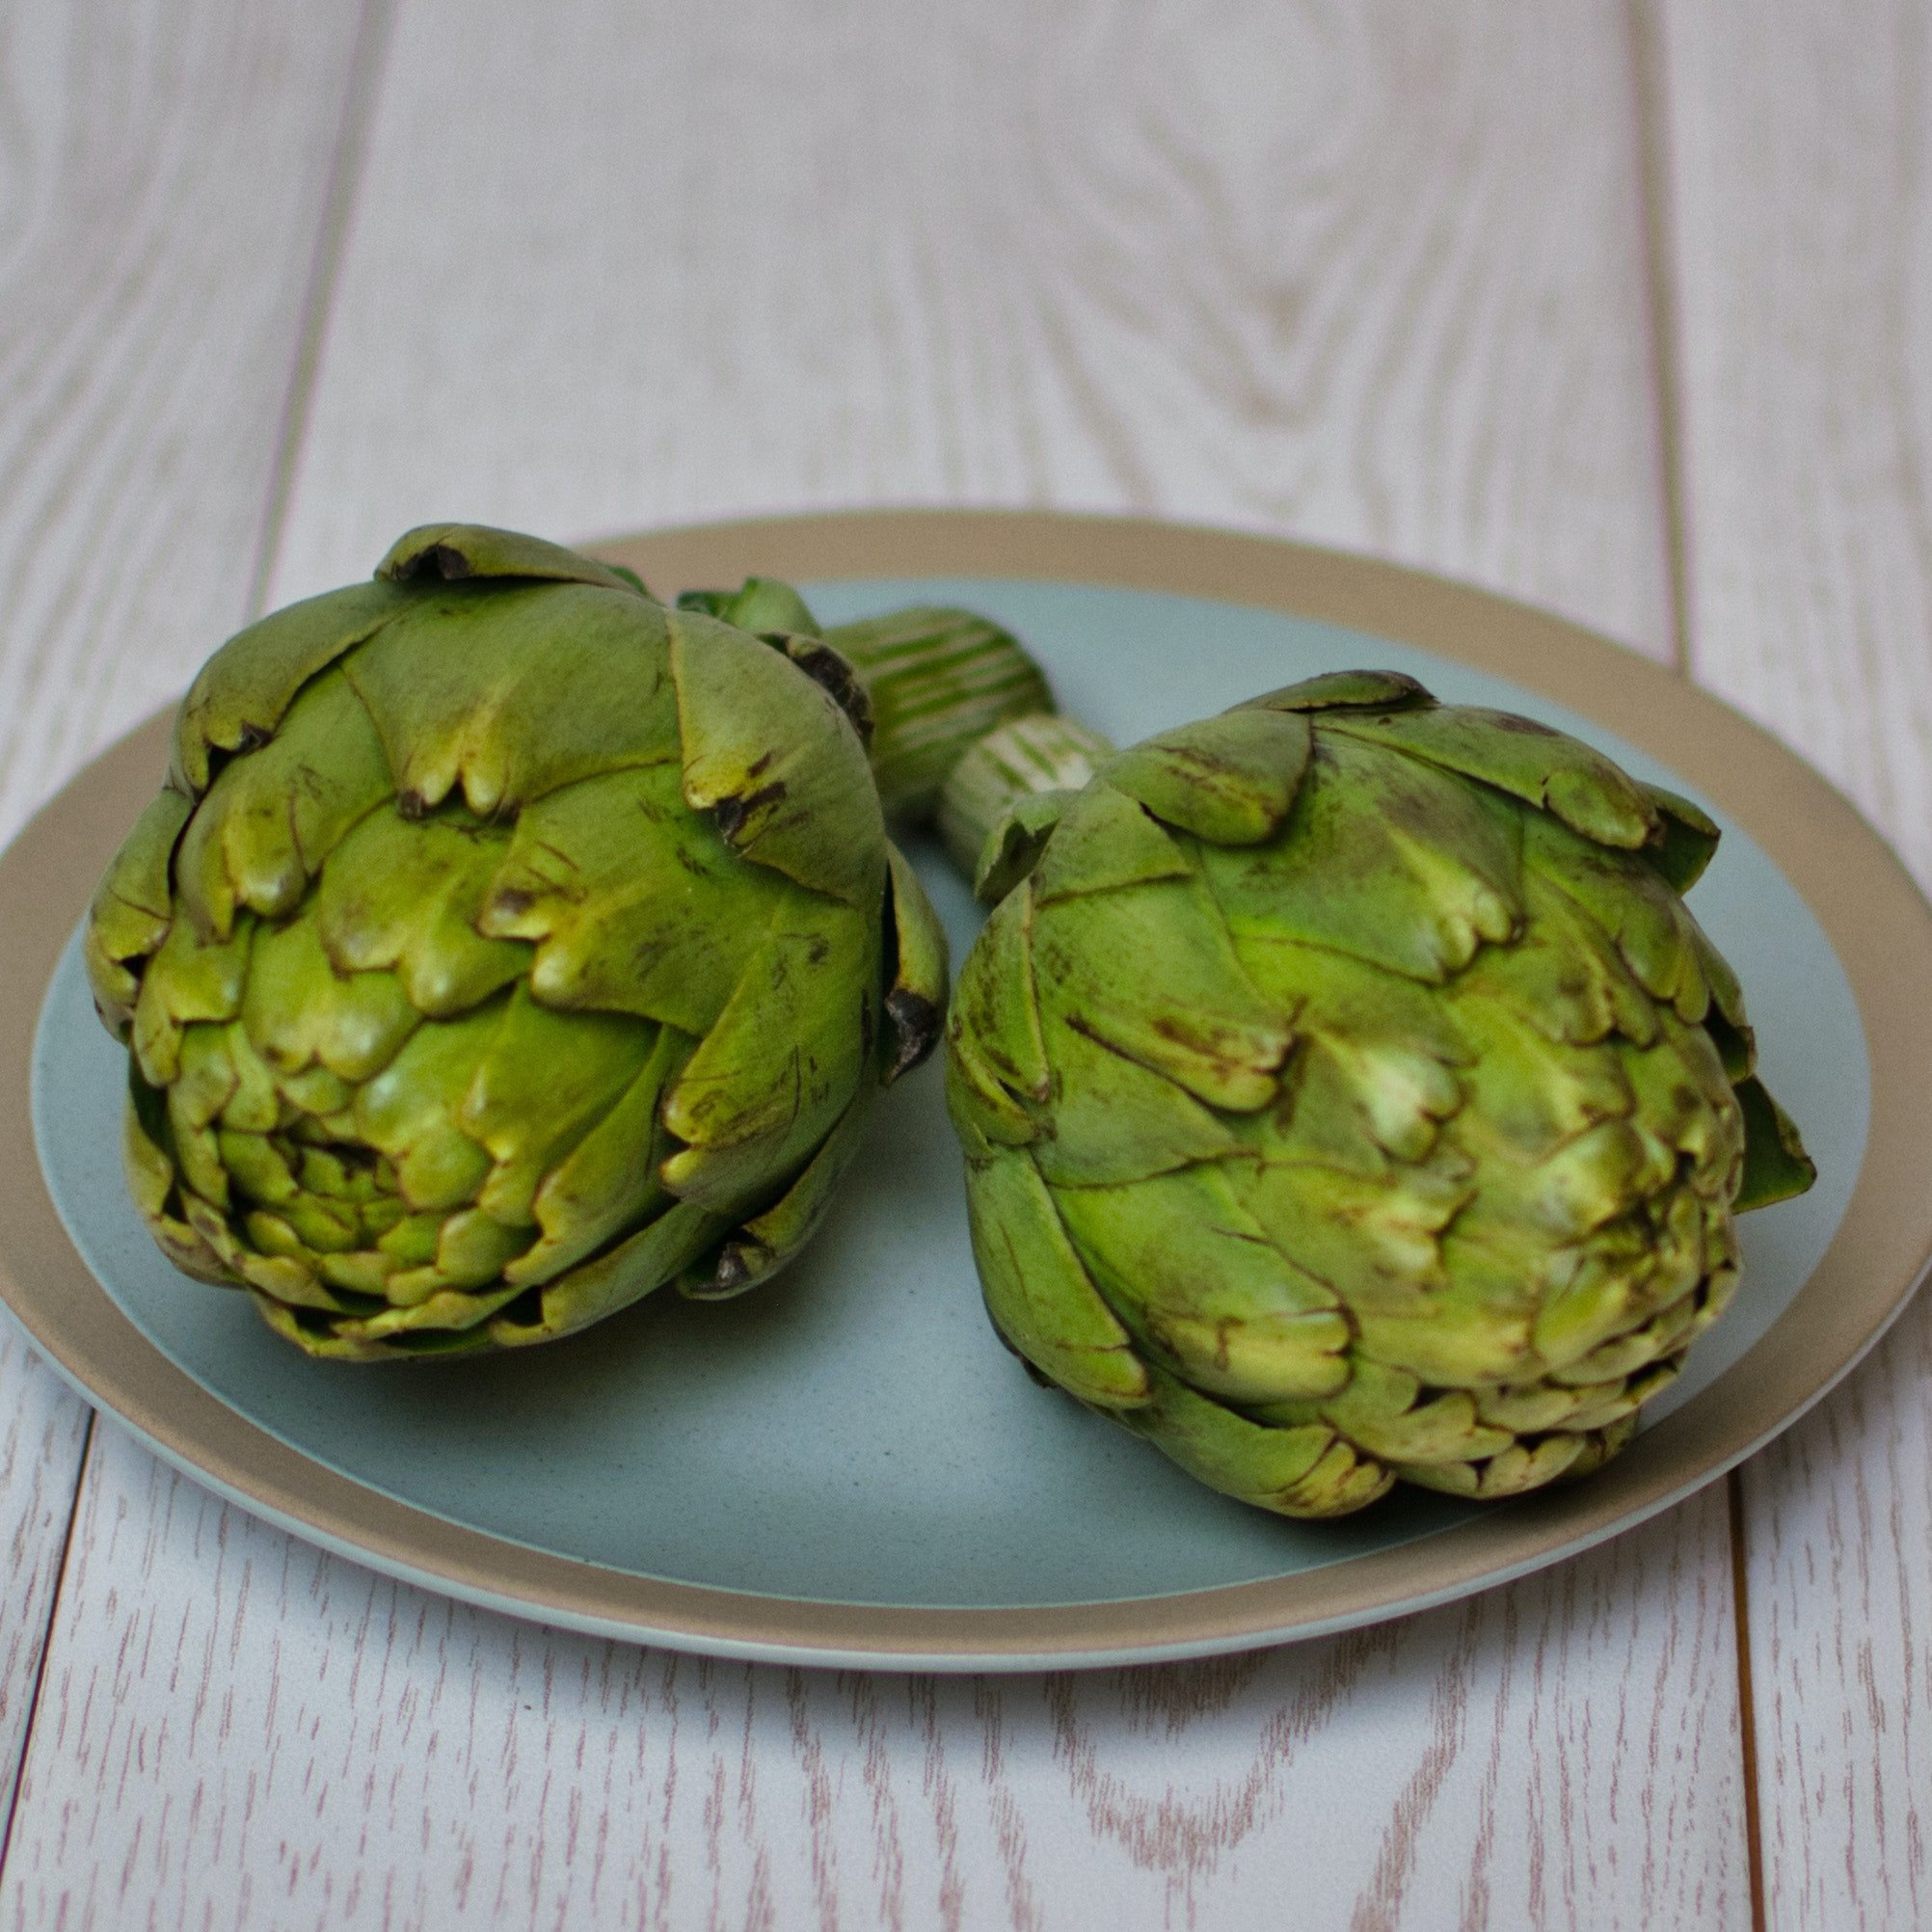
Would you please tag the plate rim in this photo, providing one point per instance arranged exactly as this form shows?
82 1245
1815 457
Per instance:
1842 867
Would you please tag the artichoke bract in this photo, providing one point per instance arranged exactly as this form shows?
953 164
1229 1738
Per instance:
1347 1094
504 946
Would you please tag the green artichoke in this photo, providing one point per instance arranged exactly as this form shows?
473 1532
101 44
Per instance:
1347 1094
503 945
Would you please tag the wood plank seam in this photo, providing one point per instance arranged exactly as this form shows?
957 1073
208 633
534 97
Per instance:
379 1798
1651 107
371 41
1651 89
47 1636
345 173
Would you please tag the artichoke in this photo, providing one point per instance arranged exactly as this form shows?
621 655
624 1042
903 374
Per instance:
503 945
1347 1094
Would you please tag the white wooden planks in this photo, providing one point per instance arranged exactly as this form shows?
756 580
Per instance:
1801 149
1376 277
1372 274
239 1730
1368 274
42 1443
162 178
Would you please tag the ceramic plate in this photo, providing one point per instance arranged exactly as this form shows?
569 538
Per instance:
845 1468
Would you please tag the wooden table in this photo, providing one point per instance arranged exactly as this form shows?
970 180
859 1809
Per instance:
1625 310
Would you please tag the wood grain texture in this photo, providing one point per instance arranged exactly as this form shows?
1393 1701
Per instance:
41 1442
161 181
239 1730
1370 275
1800 157
165 168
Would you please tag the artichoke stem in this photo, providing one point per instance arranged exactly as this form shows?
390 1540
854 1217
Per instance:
1040 753
939 681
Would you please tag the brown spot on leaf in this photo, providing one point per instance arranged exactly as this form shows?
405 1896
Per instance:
915 1023
732 813
829 669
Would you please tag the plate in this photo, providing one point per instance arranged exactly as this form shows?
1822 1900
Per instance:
846 1468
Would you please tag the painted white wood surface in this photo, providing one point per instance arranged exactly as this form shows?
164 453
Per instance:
1370 275
1802 190
239 1730
162 179
1374 274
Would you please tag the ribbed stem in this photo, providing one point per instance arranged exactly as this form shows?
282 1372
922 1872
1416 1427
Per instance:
1040 753
939 681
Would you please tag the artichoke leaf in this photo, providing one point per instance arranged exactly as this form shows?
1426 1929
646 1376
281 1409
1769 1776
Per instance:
1347 690
634 904
1685 840
189 979
543 1085
300 1013
1191 1274
1518 1468
132 910
1103 841
759 605
408 897
1014 844
152 1180
609 1181
656 1254
1307 1470
1150 974
508 694
756 1251
408 1112
786 793
983 1111
1654 931
1529 1094
1039 1293
272 818
1385 1413
1230 779
1375 1242
1543 767
995 1016
1113 1119
915 1000
240 696
454 551
751 1115
1776 1165
1384 859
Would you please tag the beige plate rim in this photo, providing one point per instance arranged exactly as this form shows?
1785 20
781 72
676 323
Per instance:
1873 913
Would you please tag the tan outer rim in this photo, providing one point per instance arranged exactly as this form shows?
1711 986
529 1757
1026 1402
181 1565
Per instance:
1868 904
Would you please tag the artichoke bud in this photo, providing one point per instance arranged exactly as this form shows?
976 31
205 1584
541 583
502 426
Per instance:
504 946
1348 1094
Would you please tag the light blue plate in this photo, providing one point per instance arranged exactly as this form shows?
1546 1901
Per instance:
853 1433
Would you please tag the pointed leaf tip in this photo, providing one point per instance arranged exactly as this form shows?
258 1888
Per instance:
1776 1164
456 551
915 1000
1687 837
830 670
1347 690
